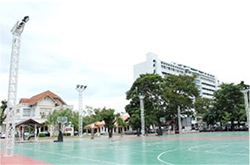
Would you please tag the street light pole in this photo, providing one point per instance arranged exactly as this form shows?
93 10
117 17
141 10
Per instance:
179 118
12 91
245 92
80 89
141 97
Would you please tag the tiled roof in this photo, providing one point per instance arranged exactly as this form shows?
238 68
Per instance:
99 124
36 98
124 118
91 126
24 100
96 124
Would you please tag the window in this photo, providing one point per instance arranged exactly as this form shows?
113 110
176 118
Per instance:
26 112
198 87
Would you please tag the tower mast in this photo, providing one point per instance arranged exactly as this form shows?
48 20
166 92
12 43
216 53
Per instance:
12 91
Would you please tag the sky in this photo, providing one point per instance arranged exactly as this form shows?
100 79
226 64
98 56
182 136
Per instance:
96 43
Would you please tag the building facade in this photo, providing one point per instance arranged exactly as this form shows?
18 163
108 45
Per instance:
206 83
39 106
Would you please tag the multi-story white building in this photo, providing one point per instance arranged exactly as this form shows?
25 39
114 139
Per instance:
206 83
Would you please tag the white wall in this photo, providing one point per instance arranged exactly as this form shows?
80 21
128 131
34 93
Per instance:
139 69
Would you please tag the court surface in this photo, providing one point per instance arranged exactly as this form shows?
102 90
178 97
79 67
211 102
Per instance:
195 148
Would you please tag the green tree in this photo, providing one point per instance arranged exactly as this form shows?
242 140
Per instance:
75 120
72 116
135 122
229 103
202 105
162 97
151 86
52 121
2 111
180 91
120 123
109 117
52 118
90 117
93 116
210 117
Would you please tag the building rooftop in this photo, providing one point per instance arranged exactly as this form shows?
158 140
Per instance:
36 98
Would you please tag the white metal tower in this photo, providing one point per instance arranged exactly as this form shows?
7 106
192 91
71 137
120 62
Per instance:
12 91
246 98
141 97
80 89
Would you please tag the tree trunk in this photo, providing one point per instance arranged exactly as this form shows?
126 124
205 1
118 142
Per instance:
92 133
110 130
160 130
138 131
122 131
232 125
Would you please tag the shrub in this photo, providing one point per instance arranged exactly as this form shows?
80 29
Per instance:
66 134
41 135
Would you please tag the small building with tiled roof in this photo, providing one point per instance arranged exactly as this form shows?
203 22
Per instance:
100 125
39 105
124 118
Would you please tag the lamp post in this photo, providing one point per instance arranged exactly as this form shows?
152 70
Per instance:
246 98
179 118
80 89
141 97
12 91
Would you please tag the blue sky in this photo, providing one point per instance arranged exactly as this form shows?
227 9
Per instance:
96 43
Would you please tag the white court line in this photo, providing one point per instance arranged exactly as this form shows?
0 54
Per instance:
215 152
158 157
75 157
198 146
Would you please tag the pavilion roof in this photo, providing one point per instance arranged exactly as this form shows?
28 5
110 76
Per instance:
28 122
